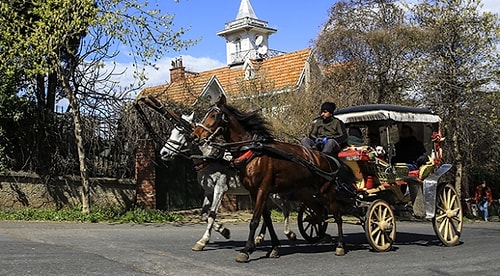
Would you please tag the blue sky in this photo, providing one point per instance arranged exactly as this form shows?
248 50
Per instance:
297 22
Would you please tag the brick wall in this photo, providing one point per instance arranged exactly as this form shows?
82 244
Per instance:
145 174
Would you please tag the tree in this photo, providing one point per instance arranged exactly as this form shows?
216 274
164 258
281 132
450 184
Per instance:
368 47
65 38
457 70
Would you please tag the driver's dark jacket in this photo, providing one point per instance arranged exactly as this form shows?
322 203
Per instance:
331 128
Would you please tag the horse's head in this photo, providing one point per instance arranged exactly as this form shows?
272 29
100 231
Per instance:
230 124
178 141
212 125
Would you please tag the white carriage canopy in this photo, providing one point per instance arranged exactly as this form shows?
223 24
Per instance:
386 113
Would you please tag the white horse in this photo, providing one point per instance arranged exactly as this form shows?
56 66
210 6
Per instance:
216 177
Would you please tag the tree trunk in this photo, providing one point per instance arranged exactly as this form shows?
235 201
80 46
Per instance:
79 140
51 91
458 161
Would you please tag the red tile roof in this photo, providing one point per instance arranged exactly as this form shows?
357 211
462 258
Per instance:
275 73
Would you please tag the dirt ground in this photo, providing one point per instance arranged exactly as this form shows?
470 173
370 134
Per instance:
193 216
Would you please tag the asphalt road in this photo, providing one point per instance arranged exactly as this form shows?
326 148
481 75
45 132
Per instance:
43 248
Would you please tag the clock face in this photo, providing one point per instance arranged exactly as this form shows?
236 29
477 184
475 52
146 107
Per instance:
258 40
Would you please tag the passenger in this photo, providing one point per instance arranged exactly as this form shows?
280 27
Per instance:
408 149
327 133
483 198
373 137
355 137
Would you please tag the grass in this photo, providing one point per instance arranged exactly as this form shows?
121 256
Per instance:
141 215
133 215
97 214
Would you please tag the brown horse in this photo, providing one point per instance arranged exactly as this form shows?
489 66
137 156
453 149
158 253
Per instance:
268 166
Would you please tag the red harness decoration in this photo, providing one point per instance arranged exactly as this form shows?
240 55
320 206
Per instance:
243 159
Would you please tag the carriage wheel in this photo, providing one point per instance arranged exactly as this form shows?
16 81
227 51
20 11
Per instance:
448 220
310 227
380 226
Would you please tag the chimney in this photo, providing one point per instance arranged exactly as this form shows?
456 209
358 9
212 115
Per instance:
177 72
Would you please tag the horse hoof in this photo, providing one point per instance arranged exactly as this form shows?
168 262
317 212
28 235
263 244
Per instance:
273 254
291 236
258 240
339 251
226 233
198 247
242 257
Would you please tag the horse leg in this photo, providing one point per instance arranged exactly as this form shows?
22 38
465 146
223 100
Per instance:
210 217
274 253
329 194
222 230
218 193
259 207
339 250
220 188
262 233
285 207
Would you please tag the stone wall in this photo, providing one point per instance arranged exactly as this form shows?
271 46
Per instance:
21 190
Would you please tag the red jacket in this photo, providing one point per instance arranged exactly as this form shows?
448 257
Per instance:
479 194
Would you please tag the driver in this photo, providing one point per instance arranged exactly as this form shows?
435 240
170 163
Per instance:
327 133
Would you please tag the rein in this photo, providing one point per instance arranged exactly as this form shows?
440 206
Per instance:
301 161
176 150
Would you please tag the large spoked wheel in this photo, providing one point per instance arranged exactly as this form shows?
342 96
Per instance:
311 226
380 226
448 220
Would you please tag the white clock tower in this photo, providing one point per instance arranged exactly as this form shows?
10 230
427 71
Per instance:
246 37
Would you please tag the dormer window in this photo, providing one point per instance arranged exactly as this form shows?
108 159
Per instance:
249 71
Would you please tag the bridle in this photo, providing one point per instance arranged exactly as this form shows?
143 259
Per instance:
178 147
222 122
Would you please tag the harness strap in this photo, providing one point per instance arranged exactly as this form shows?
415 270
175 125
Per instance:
299 160
204 127
252 147
243 159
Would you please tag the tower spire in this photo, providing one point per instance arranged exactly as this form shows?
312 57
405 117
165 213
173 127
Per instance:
245 10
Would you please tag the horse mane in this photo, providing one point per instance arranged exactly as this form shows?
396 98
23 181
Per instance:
252 122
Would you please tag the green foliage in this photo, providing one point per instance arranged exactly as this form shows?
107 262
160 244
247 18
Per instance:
37 31
97 214
47 43
456 76
376 47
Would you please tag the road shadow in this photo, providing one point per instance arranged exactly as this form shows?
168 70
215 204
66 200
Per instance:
352 241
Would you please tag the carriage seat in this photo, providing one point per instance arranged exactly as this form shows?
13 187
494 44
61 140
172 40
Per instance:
424 171
357 153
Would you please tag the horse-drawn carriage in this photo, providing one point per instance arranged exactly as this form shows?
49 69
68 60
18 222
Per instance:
385 188
361 181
